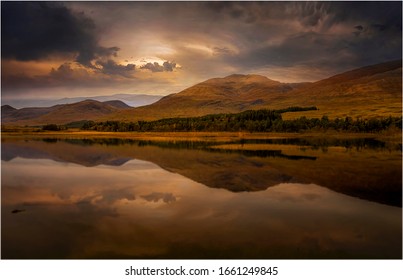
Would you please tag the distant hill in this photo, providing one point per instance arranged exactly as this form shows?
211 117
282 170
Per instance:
133 100
7 109
365 92
231 94
61 114
24 115
117 104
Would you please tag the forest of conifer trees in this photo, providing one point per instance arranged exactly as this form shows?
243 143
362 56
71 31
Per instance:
249 121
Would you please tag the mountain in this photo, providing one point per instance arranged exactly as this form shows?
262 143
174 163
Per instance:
232 94
133 100
61 114
7 109
365 92
370 91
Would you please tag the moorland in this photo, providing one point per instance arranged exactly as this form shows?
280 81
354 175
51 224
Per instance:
367 99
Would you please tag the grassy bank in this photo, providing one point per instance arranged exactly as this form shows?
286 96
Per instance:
394 135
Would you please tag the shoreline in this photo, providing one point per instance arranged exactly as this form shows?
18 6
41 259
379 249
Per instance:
390 136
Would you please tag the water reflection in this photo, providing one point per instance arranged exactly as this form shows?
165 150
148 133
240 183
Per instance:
356 167
139 210
157 196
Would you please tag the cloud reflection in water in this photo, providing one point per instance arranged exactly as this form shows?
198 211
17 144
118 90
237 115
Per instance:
74 211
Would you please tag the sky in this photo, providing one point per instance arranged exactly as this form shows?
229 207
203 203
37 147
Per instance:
67 49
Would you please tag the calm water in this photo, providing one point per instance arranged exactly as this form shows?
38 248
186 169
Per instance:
280 198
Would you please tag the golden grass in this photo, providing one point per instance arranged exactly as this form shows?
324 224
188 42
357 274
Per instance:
390 136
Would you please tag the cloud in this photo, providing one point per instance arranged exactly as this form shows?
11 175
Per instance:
338 35
86 56
39 30
110 67
69 75
222 51
209 39
72 79
66 72
169 66
156 67
358 30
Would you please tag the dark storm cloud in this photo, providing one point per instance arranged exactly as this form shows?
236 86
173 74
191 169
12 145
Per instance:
358 30
311 13
112 68
169 66
86 55
389 13
301 48
38 30
380 30
207 39
337 34
328 14
156 67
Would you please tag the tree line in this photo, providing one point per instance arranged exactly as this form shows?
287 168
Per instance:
251 121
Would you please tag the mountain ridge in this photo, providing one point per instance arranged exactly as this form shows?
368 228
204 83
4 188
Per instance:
231 94
370 91
62 113
133 100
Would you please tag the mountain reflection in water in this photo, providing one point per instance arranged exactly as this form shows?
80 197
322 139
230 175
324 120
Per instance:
114 198
356 167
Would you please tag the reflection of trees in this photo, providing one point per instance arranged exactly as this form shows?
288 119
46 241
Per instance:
313 142
263 154
242 169
100 141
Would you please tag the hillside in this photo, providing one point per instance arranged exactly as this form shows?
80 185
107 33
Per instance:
371 91
24 115
232 94
61 114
